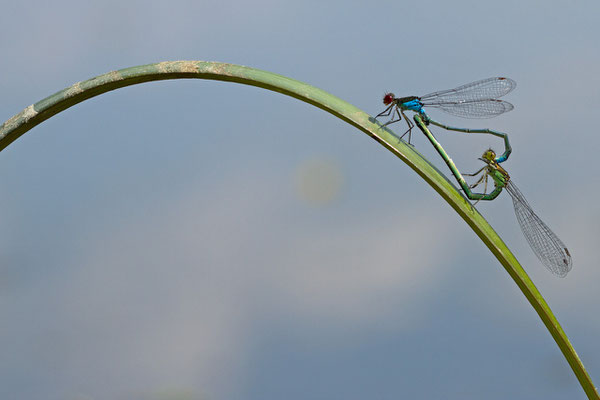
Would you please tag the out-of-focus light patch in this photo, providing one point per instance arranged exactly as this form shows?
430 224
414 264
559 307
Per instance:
359 275
319 181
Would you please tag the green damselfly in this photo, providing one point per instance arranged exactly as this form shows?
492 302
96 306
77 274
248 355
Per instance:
549 249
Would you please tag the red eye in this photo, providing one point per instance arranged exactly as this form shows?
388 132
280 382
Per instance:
388 98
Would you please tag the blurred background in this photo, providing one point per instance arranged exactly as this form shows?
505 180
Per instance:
206 240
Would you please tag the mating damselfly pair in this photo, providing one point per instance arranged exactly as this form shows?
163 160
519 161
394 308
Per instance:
480 99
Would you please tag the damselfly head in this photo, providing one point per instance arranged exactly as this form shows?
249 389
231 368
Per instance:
388 98
488 155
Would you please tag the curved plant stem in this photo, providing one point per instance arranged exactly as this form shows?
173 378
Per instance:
44 109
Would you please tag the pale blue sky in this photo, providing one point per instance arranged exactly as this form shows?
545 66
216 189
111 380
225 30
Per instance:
160 242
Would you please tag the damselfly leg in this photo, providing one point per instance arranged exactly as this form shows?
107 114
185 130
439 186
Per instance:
483 179
396 111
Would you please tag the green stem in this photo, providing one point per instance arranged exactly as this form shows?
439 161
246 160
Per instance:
44 109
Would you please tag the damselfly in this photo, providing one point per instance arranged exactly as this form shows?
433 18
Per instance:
474 100
545 244
550 250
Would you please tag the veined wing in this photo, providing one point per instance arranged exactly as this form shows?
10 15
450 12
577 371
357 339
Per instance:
551 251
473 109
485 89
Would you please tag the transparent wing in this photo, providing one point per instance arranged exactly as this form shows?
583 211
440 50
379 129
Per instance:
474 109
545 244
486 89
